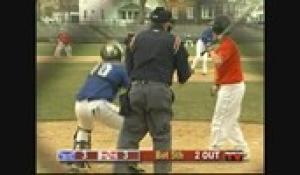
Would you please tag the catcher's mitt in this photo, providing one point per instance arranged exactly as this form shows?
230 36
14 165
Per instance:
125 108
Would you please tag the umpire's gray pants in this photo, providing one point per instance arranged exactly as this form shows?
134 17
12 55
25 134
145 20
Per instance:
151 105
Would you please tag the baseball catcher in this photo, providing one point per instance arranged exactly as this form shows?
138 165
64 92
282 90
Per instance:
94 100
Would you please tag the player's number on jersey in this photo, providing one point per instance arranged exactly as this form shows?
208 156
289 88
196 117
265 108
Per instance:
103 70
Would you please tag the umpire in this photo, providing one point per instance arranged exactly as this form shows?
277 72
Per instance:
155 55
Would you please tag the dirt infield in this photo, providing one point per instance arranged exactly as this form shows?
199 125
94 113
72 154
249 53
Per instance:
52 136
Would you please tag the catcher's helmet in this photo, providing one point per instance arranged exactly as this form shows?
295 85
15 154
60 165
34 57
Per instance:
161 15
220 24
111 52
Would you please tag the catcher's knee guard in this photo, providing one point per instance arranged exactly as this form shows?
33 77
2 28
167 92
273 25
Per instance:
82 145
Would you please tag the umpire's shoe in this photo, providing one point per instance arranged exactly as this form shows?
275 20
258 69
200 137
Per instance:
135 169
77 170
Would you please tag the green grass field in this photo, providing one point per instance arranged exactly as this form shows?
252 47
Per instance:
58 83
251 49
85 49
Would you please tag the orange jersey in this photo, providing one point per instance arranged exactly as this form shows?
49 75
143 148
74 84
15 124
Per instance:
230 71
64 37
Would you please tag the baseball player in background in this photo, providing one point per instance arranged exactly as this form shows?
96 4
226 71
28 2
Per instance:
230 86
127 41
63 43
94 100
204 41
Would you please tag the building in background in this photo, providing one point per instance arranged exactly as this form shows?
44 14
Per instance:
257 16
114 11
124 12
204 11
68 11
183 11
58 11
108 11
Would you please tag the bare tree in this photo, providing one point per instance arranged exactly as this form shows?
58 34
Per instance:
38 10
142 11
166 3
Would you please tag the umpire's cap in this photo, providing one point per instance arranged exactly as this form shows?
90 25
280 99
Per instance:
161 15
111 52
220 24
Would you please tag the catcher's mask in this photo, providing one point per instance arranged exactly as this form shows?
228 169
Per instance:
111 52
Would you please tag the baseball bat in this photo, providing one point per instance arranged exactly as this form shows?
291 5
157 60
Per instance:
246 13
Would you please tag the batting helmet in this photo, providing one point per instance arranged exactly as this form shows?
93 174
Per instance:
220 24
161 15
111 52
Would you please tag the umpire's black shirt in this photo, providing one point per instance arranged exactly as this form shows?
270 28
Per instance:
153 57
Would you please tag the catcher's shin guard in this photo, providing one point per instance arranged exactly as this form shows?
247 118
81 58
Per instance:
82 145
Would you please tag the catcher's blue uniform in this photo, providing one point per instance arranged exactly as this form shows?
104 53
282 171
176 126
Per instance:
103 82
207 36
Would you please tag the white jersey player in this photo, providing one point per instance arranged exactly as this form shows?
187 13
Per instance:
203 42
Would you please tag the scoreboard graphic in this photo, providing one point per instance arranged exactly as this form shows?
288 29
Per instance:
147 155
